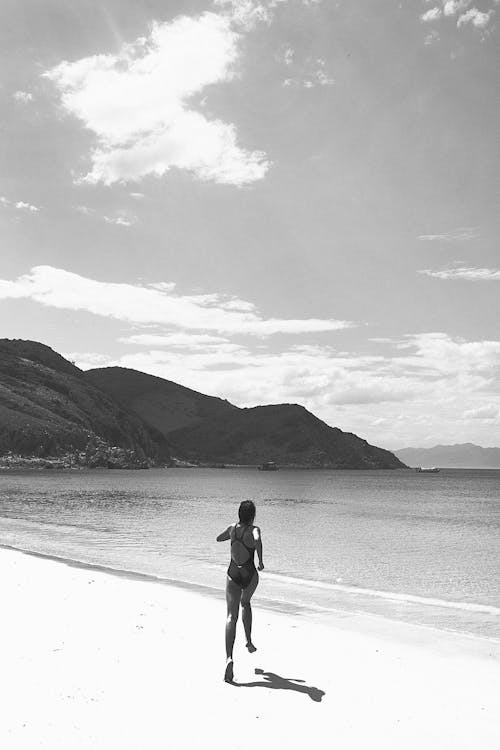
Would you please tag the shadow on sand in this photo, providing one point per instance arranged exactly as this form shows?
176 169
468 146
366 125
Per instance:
275 682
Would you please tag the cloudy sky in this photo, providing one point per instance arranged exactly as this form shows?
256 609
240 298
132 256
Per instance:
265 200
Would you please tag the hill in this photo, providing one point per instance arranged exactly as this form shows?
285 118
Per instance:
49 408
161 403
459 456
211 430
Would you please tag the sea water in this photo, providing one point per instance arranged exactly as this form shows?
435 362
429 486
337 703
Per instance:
422 548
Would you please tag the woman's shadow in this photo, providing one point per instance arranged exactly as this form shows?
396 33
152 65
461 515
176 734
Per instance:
275 682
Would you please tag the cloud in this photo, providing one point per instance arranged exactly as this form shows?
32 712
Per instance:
311 73
87 360
246 14
316 375
22 96
462 234
23 206
463 273
426 379
431 38
19 205
476 17
431 15
452 7
322 78
175 340
121 220
154 304
488 412
439 353
137 104
418 390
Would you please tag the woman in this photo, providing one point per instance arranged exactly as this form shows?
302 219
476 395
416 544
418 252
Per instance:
242 577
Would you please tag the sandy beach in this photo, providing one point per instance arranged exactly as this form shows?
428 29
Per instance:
94 660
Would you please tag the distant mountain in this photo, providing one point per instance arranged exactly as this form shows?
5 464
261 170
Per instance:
459 456
208 429
49 408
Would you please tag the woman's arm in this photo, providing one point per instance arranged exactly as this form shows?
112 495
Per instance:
225 535
258 546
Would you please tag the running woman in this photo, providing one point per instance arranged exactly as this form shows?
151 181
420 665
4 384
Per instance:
242 577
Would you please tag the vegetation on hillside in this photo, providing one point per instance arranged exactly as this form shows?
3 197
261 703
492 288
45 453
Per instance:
210 430
48 408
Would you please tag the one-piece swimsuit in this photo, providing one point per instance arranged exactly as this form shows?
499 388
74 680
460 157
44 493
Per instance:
242 574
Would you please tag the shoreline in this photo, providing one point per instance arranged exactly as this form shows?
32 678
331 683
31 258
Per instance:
99 660
358 619
283 467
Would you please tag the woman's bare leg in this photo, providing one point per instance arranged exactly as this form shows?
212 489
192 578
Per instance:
233 595
246 615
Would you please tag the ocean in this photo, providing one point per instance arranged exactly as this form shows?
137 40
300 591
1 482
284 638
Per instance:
419 548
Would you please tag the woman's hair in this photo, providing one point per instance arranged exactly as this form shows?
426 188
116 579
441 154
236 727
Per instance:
246 511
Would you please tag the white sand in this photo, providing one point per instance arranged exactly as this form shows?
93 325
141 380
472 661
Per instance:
90 660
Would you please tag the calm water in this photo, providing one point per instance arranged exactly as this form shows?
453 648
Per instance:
419 548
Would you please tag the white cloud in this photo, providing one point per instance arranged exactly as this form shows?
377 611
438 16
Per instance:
175 339
85 210
463 273
431 15
431 38
440 353
137 196
246 14
23 96
462 234
323 79
137 104
488 412
452 7
86 360
121 221
476 17
312 73
19 205
23 206
153 305
120 218
421 387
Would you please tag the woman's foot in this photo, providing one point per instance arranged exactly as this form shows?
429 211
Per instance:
228 674
251 648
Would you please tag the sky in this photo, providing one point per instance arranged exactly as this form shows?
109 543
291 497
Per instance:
270 201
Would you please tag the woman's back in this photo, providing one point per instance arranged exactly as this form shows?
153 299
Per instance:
242 542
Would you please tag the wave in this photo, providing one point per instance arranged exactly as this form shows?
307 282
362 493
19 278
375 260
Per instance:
387 595
302 583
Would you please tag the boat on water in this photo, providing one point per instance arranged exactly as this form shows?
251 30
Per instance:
427 470
268 466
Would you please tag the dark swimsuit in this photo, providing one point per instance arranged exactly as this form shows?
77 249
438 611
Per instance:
242 574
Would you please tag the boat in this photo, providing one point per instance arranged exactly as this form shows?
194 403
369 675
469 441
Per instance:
427 470
268 466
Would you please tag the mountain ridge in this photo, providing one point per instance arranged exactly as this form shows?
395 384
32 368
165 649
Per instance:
123 418
212 430
48 408
453 456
